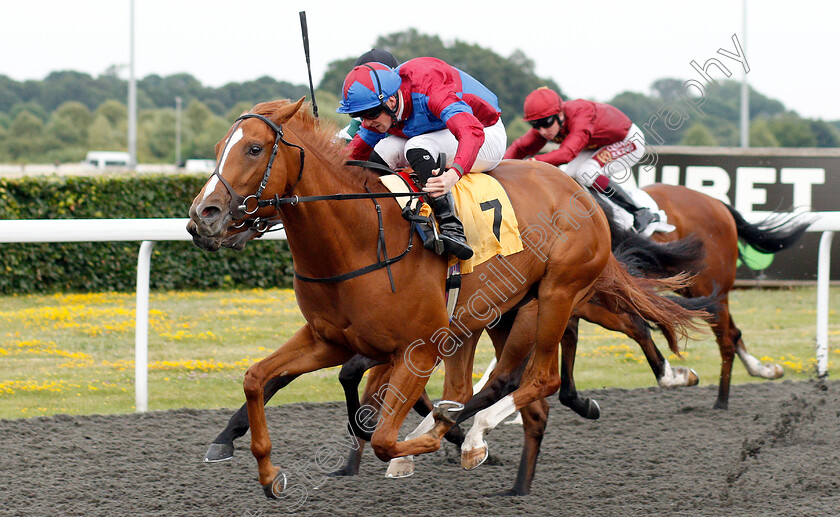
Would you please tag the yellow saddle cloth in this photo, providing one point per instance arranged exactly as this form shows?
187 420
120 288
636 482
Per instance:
484 208
489 222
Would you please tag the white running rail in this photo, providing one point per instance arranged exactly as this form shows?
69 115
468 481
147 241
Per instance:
150 231
110 230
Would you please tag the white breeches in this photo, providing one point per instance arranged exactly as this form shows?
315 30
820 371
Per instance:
392 148
614 160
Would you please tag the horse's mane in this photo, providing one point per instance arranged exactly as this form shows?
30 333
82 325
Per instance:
320 138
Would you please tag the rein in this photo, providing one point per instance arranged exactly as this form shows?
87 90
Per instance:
239 208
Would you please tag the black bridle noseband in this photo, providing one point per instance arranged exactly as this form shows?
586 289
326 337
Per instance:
239 206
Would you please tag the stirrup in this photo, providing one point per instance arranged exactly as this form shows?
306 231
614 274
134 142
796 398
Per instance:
439 245
456 406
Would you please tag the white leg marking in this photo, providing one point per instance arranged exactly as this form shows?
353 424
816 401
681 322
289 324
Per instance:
675 377
483 380
487 420
758 369
425 426
667 379
404 466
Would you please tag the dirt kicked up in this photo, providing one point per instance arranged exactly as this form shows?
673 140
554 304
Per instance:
653 452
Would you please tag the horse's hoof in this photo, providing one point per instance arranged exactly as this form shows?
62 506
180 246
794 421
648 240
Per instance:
776 371
513 492
693 378
593 410
276 487
218 452
343 471
472 458
400 467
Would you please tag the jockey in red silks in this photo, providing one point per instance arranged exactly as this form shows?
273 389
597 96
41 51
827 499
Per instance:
415 112
597 141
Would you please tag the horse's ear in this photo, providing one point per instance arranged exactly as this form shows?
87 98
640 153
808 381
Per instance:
288 110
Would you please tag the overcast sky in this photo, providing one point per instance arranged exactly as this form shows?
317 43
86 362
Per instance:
593 50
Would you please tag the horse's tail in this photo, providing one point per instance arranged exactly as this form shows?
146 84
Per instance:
647 257
618 290
709 304
777 232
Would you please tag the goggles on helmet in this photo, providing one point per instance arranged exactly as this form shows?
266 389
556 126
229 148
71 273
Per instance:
541 123
368 114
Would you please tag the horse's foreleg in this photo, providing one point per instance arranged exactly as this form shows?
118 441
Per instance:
301 354
350 377
222 447
409 375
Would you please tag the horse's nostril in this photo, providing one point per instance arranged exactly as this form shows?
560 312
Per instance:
210 212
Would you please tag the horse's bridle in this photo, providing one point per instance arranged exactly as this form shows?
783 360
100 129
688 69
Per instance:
238 203
239 206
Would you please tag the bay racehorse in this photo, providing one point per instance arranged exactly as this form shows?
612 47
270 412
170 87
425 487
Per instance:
358 295
717 227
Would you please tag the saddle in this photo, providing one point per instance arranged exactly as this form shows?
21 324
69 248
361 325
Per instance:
481 204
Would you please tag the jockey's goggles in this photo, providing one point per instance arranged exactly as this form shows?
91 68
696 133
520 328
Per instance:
368 114
543 122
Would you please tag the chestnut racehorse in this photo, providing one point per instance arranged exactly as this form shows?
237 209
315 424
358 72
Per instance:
288 165
717 227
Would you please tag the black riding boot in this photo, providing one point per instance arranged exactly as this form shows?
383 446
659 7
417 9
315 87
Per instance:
451 229
642 216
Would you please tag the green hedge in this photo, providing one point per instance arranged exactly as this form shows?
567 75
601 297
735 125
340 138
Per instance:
112 266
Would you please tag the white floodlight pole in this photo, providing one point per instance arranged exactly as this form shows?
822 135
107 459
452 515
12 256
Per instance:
745 92
132 96
178 131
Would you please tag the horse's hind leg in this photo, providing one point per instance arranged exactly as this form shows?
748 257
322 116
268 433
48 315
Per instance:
534 419
723 329
541 377
753 365
585 407
634 327
222 447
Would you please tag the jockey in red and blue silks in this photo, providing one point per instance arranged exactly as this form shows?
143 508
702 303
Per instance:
416 112
597 141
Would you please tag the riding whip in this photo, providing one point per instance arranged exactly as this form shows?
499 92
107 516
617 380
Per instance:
305 34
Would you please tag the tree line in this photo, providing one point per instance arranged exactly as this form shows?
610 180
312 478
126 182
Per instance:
61 117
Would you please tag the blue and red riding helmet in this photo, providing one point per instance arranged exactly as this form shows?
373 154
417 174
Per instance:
368 86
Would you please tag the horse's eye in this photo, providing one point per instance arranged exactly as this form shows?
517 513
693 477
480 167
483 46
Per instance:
254 150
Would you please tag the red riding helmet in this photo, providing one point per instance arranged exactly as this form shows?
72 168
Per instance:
541 103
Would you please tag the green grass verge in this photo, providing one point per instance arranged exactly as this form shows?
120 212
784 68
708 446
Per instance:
74 353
